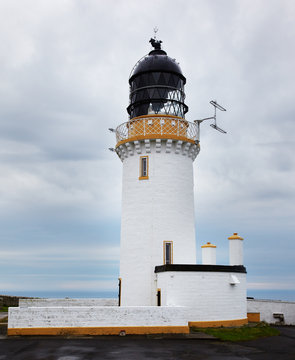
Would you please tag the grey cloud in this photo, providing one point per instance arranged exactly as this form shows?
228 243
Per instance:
64 70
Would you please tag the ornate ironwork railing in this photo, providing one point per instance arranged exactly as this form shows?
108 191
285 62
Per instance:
149 127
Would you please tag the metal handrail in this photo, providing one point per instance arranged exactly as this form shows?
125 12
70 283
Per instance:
157 126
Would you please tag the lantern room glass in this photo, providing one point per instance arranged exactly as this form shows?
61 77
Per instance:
157 92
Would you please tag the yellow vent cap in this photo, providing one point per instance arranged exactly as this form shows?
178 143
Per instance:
235 236
208 245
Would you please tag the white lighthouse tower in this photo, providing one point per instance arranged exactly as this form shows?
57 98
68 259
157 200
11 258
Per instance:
157 147
162 289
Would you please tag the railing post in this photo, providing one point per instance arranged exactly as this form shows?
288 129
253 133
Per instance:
187 130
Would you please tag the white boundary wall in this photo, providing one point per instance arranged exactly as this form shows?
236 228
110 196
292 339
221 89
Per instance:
105 316
67 302
267 308
108 316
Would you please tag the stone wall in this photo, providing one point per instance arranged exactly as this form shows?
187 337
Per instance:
7 300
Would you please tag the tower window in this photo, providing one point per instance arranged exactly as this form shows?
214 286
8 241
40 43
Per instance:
168 252
144 168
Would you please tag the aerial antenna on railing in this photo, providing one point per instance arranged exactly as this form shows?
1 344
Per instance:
216 106
219 107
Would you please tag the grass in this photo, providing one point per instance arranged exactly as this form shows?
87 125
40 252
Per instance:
3 308
243 333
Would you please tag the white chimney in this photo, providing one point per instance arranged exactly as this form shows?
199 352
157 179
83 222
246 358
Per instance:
235 249
208 254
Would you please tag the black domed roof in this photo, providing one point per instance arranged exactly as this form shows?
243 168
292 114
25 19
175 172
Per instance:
157 85
157 60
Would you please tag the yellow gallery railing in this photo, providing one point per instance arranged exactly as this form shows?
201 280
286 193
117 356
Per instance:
157 127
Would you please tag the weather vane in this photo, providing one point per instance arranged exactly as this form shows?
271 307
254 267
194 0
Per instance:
156 43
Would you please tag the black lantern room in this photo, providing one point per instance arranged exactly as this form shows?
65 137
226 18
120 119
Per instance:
157 85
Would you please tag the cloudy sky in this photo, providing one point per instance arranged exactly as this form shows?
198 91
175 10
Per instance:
64 68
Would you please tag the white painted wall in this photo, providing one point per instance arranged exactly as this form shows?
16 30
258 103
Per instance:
155 210
267 308
215 307
67 302
209 294
34 317
186 296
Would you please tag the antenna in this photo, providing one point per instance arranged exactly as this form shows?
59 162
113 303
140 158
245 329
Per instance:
216 106
219 107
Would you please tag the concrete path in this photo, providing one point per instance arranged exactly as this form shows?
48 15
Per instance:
147 348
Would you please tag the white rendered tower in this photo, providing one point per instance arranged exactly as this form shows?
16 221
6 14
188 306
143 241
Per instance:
157 147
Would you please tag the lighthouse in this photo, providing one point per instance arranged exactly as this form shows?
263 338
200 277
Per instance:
161 287
157 147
